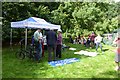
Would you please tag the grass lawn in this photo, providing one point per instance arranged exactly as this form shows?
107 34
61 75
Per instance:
100 66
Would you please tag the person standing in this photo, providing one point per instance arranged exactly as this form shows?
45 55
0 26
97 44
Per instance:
117 51
82 40
88 41
92 37
38 44
59 43
98 40
51 38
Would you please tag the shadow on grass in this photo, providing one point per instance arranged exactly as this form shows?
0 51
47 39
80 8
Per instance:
108 74
105 50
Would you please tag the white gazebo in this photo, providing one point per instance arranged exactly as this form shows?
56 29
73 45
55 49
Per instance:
32 23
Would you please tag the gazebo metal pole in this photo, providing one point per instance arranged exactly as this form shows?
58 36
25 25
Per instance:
25 38
11 39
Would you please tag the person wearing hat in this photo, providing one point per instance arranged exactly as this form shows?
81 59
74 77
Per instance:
117 51
59 44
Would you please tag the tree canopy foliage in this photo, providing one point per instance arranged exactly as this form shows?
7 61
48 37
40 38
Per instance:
74 17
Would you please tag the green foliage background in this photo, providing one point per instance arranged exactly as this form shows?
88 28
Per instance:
74 17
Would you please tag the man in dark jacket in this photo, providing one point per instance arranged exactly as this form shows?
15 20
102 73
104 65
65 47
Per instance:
51 43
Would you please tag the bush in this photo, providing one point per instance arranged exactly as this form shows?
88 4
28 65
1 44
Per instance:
66 40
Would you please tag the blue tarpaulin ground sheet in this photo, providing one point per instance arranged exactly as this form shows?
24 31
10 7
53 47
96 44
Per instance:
63 62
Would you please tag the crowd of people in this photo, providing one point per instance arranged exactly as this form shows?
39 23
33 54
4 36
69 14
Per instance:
54 44
91 41
83 40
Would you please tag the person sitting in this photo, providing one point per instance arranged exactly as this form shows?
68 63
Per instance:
75 40
79 39
71 40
